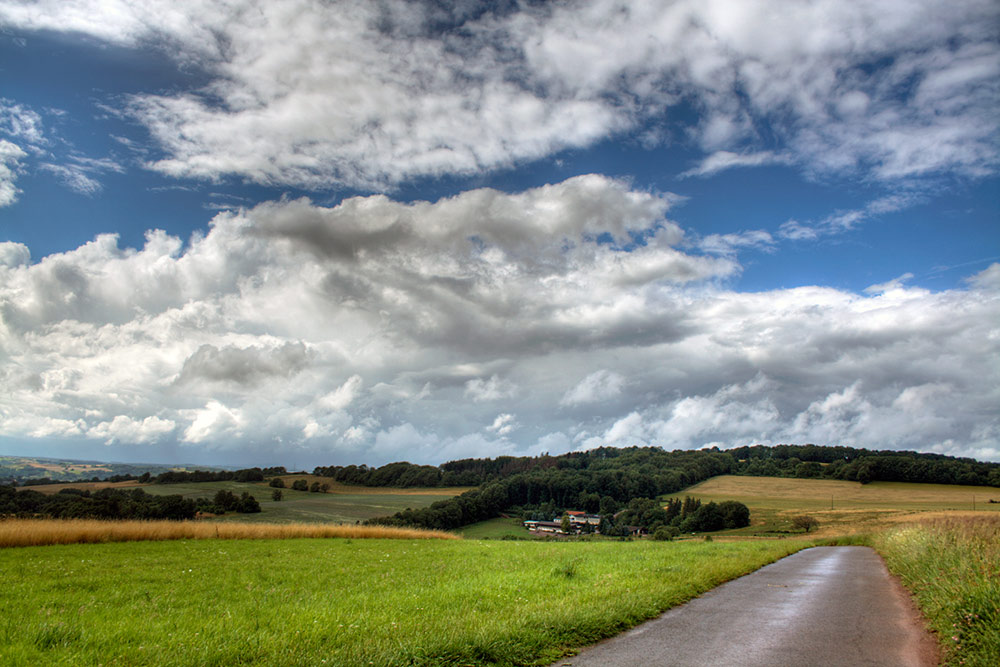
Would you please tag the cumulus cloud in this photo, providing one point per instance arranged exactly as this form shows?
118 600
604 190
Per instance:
480 324
14 254
598 386
372 94
125 430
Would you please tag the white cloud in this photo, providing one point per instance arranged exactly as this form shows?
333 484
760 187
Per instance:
80 174
723 160
123 429
988 278
492 389
503 425
22 124
376 331
600 385
14 254
894 284
728 244
844 221
373 94
10 156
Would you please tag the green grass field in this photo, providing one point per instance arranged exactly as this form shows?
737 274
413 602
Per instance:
344 504
495 529
840 507
345 602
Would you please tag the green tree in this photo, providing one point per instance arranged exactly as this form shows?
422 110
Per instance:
277 495
734 514
566 525
277 483
300 485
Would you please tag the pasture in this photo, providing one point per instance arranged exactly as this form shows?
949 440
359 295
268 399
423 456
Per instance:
345 602
493 529
842 508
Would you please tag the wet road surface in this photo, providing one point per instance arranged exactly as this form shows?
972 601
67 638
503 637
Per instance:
827 606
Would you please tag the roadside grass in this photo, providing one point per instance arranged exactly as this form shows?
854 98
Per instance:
952 567
346 602
842 508
40 532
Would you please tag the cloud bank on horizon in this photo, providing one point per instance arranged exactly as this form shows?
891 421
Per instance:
562 314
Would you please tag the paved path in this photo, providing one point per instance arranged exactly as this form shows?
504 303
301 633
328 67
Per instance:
826 606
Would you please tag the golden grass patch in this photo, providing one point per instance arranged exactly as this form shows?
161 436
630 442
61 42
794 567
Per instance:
41 532
847 495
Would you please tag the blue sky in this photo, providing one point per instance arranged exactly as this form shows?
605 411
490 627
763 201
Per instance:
431 230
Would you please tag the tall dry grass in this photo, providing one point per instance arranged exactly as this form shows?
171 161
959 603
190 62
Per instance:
952 567
40 532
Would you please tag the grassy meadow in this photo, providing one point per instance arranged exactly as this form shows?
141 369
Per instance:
345 602
495 529
842 508
341 504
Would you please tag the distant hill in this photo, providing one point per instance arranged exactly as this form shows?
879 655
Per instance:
20 469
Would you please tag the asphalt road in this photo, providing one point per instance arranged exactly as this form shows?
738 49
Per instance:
824 606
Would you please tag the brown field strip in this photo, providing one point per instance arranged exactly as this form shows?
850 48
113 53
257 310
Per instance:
42 532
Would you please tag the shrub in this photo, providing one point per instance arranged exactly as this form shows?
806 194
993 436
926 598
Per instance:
804 522
666 533
277 483
300 485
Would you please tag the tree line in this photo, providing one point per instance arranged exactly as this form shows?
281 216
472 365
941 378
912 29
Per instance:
803 461
101 504
118 504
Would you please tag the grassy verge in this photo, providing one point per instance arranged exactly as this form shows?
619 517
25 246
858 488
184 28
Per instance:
952 567
345 602
40 532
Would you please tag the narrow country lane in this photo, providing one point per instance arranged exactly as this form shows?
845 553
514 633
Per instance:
824 606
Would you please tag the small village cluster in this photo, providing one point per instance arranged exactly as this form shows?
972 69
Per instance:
575 523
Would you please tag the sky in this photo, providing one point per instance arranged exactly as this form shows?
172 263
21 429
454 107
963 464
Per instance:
315 233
